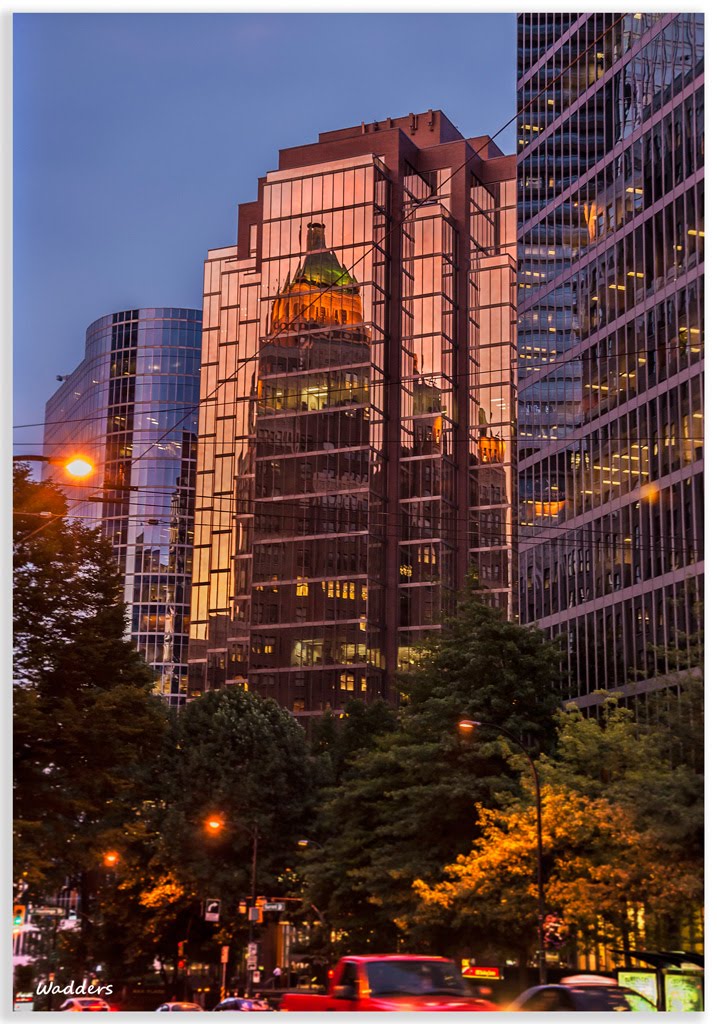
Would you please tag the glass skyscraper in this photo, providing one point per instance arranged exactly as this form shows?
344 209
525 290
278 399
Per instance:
131 405
357 412
611 342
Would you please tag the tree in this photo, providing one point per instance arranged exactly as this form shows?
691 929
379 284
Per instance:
620 835
405 806
87 727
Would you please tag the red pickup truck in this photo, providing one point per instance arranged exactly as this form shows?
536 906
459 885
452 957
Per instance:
397 982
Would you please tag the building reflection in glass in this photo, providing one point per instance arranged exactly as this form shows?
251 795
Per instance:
131 404
355 378
611 345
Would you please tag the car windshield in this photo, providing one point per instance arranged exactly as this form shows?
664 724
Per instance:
610 997
414 977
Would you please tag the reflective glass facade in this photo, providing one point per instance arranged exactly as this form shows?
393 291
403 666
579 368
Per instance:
611 339
131 405
357 412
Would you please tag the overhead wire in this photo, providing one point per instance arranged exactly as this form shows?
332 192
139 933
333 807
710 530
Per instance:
415 205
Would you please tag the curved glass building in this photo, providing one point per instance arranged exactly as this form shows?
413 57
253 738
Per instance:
131 405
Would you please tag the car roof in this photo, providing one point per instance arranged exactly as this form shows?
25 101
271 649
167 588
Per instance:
588 979
398 957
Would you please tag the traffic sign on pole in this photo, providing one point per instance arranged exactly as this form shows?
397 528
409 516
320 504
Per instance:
211 910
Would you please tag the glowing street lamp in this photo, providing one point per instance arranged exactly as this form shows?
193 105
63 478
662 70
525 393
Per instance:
77 466
111 859
214 824
467 726
306 843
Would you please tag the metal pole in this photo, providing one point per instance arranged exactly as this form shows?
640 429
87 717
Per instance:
255 838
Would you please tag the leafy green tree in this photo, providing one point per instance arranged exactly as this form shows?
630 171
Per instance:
406 806
339 738
621 839
87 728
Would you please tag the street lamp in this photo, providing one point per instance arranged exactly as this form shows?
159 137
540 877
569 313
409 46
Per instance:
306 843
111 859
467 726
77 466
214 824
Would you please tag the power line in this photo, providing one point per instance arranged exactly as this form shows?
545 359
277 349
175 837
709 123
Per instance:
415 206
567 358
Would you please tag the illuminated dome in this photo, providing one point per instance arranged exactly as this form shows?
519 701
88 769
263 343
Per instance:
322 292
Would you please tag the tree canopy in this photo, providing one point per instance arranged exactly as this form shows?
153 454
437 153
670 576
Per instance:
405 805
87 728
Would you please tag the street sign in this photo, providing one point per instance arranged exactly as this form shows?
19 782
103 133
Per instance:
225 954
256 977
211 910
251 965
275 906
48 911
252 949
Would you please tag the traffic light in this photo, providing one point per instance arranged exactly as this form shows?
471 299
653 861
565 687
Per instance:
19 912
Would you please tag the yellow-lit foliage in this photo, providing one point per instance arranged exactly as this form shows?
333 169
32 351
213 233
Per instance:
594 858
165 890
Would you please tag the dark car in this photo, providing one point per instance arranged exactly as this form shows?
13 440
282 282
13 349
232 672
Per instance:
596 997
243 1005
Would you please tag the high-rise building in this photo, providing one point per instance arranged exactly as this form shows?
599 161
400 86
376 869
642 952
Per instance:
131 405
611 342
357 412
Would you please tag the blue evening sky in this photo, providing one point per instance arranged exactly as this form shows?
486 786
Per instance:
135 136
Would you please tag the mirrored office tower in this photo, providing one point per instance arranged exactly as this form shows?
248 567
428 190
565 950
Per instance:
357 412
611 341
131 405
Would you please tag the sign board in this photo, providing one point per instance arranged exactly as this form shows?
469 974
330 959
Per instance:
277 905
683 992
489 973
256 977
644 982
212 909
49 911
252 949
225 954
251 965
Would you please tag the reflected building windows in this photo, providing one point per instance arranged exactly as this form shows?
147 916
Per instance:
610 338
131 404
347 400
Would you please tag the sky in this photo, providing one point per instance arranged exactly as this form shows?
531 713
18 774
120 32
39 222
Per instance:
136 135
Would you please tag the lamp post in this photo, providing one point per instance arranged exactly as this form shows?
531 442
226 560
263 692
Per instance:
77 466
467 725
214 825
